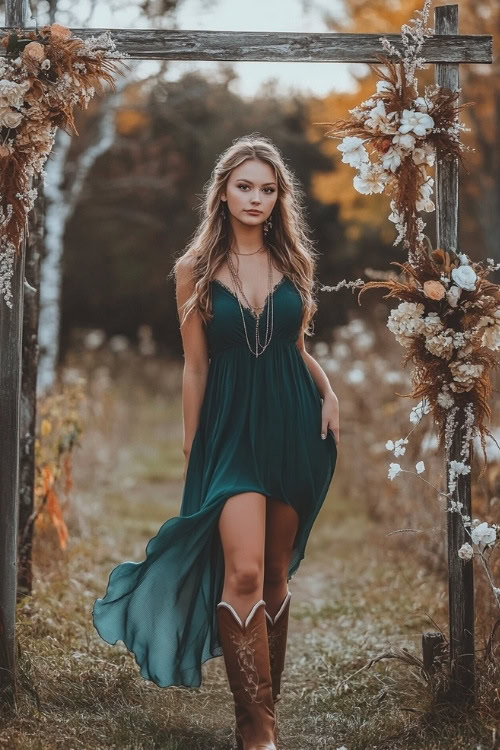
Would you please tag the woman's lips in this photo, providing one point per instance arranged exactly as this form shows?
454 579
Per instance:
253 211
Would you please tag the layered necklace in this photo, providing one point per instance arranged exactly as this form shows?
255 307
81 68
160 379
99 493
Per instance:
269 299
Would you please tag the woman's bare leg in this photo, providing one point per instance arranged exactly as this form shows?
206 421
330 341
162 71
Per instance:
242 526
281 526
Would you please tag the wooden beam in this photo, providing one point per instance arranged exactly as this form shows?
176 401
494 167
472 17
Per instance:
11 326
280 46
460 572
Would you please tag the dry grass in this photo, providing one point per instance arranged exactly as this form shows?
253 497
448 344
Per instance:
358 594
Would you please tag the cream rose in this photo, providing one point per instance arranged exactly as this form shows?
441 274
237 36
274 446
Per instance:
465 277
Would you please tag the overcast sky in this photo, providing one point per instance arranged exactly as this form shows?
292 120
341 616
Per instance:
257 15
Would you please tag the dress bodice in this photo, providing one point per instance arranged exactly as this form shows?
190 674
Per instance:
225 329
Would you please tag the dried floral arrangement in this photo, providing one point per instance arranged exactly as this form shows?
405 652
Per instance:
449 317
403 131
449 322
43 76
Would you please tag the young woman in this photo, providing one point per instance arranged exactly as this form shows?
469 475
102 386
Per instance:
261 429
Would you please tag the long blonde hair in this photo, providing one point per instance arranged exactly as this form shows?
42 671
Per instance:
291 247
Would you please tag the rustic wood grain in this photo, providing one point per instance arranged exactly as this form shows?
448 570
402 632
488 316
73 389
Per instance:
280 46
460 572
11 322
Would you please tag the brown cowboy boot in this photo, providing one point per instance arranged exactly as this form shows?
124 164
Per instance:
246 656
277 631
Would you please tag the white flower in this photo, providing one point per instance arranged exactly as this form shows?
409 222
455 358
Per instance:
432 324
419 122
453 295
425 154
465 277
12 93
391 159
464 259
403 140
9 118
466 552
420 467
466 372
371 179
394 470
445 400
379 121
459 467
418 411
483 534
405 321
397 447
425 191
491 337
423 104
440 345
384 86
354 152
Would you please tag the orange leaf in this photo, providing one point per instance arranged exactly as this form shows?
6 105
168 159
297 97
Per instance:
54 511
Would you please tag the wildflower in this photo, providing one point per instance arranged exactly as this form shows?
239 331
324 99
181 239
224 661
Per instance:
420 467
466 552
394 470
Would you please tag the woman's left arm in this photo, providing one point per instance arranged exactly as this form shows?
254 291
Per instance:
330 408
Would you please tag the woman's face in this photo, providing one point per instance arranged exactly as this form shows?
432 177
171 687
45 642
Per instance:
251 186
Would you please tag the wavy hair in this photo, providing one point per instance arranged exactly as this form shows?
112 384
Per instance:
292 249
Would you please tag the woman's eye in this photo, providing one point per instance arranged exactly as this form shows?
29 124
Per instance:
271 190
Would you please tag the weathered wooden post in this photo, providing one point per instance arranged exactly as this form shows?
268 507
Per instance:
460 572
11 324
27 418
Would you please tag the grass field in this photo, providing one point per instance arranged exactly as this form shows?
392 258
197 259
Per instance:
358 594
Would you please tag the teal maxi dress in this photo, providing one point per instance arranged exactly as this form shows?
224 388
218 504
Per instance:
259 430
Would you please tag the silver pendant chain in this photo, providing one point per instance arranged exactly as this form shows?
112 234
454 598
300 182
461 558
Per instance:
270 307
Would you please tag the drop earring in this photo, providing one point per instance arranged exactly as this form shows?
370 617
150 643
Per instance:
268 224
223 209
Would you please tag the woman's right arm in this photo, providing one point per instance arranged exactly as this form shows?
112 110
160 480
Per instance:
195 356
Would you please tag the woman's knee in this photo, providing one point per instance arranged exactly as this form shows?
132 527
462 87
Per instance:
275 572
244 578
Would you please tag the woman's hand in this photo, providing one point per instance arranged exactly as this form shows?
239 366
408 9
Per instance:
330 416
